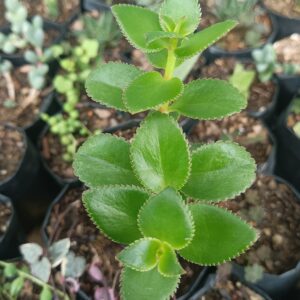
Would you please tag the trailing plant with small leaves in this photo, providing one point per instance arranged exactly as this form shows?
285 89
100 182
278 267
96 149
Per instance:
76 67
245 12
58 254
267 64
13 278
155 194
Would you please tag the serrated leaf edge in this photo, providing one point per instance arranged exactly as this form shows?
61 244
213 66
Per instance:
257 236
209 44
233 195
87 142
101 101
186 209
194 82
187 148
161 22
90 213
125 101
132 43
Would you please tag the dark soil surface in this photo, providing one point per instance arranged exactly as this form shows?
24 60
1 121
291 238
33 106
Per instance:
5 215
273 209
235 39
69 219
11 151
94 119
286 8
26 107
240 128
261 94
227 288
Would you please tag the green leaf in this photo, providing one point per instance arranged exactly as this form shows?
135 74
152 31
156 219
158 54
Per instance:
160 154
135 22
147 285
203 39
104 159
167 218
185 14
209 99
159 59
107 83
10 270
141 255
219 236
150 90
46 294
168 264
16 286
161 37
220 171
114 209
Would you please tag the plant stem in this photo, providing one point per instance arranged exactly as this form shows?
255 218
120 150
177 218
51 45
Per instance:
169 70
37 281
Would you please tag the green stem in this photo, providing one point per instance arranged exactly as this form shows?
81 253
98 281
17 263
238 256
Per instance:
169 70
37 281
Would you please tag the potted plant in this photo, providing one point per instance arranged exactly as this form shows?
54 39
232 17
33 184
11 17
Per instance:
287 14
280 59
272 207
120 174
22 34
255 28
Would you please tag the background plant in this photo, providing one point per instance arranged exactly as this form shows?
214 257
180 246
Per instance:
75 69
136 188
267 64
40 265
245 12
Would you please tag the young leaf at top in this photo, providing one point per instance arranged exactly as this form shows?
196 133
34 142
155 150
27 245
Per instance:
107 83
203 39
219 236
104 159
184 14
135 22
168 264
147 285
161 37
114 209
209 99
141 255
220 171
167 218
160 154
150 90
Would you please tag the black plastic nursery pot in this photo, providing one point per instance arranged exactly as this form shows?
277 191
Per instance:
289 83
277 287
217 52
286 25
207 283
90 5
30 188
13 236
18 60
